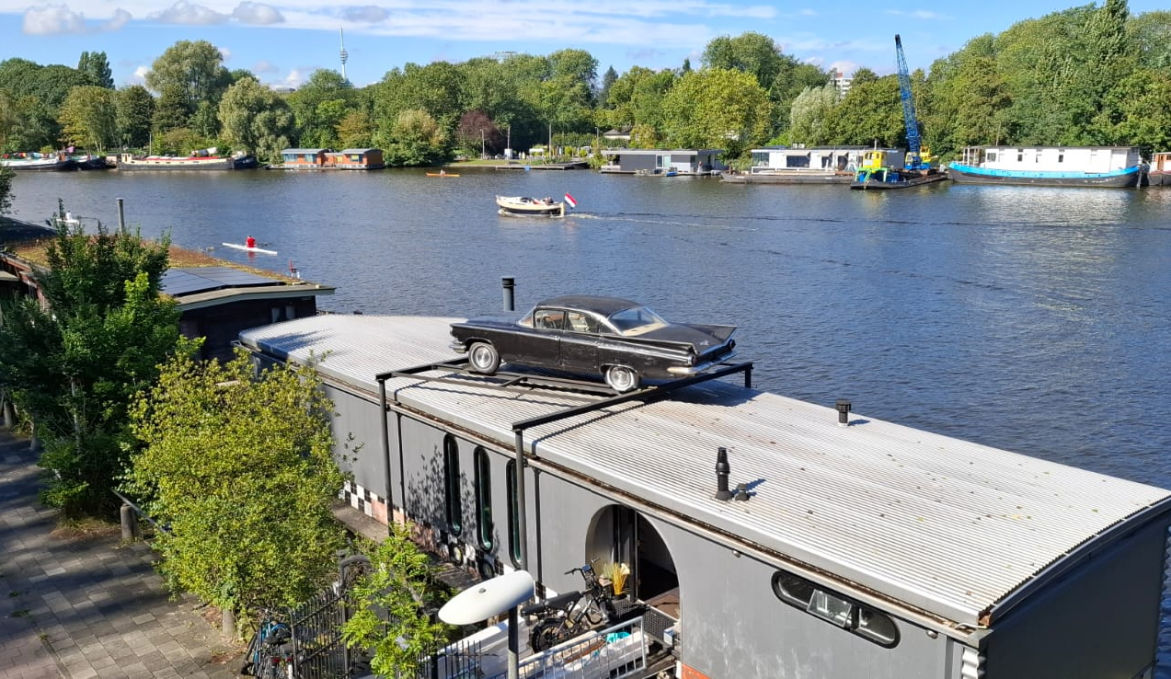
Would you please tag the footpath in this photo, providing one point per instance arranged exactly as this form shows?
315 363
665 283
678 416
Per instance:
79 606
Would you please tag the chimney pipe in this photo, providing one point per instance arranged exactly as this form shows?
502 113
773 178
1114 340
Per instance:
509 285
722 471
843 407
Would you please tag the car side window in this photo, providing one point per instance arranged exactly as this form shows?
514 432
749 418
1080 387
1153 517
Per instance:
580 322
549 319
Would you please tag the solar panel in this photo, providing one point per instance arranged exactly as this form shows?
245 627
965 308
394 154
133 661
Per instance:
178 282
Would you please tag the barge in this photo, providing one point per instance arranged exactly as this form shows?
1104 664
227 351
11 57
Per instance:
846 547
1082 166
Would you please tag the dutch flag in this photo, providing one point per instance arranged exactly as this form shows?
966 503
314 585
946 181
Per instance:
570 199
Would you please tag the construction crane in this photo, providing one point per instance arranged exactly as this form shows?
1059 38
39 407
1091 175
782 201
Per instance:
917 157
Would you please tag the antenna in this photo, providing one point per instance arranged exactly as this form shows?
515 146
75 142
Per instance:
345 55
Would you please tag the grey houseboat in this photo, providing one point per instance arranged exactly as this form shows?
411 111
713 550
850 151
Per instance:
861 550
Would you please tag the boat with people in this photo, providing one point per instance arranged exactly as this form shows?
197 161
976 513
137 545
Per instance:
204 159
38 162
525 206
1087 166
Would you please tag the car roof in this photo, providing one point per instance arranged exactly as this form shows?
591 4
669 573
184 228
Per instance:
600 305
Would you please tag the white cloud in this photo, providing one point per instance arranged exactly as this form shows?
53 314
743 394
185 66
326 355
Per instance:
257 14
139 76
369 14
51 20
189 14
264 66
296 77
845 66
225 52
121 18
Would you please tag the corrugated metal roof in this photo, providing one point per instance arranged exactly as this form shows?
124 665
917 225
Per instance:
948 526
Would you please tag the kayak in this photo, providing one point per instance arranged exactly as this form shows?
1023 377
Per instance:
445 174
245 248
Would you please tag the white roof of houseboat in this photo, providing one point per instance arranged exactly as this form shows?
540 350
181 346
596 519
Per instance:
302 151
652 152
350 151
947 526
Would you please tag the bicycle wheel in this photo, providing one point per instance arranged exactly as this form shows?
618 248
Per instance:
545 635
251 656
594 614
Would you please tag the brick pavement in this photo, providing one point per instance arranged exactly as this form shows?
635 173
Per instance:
88 607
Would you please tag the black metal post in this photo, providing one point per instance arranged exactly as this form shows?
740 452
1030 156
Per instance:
513 644
509 285
121 218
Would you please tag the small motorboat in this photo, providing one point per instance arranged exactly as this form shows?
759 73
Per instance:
523 205
441 173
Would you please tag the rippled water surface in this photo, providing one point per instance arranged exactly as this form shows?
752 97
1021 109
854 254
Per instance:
1026 318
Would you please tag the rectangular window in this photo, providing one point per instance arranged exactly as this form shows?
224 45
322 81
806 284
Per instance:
513 511
483 471
1061 155
991 156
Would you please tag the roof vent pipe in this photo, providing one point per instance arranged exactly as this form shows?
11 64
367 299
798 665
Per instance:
843 406
509 285
722 471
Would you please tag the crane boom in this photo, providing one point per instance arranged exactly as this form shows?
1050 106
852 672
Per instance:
914 145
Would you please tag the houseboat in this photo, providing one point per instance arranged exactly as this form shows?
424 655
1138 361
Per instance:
886 169
354 159
783 165
205 159
824 544
1100 166
301 159
1159 169
38 162
694 162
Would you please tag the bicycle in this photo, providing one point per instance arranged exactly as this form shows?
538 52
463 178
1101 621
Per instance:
567 615
270 650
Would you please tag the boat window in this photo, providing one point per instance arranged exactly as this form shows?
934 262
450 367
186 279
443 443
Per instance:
550 319
636 320
1061 155
582 322
836 609
513 512
1020 155
451 485
990 156
483 471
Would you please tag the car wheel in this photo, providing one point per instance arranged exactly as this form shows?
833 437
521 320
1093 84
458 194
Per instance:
483 358
620 378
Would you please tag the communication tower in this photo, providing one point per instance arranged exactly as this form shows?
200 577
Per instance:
345 55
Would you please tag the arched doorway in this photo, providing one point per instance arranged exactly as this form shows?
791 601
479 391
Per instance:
621 535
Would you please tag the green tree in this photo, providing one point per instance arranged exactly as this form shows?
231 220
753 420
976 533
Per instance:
391 615
435 88
608 80
240 467
355 130
316 120
38 92
752 53
76 365
180 141
256 119
171 111
97 67
416 139
88 117
133 112
716 108
810 115
1135 111
870 114
6 175
1151 33
968 100
193 72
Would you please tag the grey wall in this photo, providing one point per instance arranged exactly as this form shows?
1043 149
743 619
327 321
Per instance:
357 446
1099 622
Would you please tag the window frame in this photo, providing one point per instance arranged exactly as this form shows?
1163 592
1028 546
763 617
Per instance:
452 500
510 482
482 466
836 609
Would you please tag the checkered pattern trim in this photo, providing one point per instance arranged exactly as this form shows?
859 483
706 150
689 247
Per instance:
364 500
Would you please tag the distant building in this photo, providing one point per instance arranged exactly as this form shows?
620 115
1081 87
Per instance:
840 81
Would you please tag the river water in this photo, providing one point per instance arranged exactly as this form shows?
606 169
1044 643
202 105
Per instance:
1031 319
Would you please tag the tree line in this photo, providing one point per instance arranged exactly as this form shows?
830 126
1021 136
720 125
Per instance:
1083 76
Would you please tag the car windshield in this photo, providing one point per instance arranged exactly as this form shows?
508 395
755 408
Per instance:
636 321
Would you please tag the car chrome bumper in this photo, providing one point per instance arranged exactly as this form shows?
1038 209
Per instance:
687 370
458 347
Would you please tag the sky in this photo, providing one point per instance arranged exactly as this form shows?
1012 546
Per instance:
282 42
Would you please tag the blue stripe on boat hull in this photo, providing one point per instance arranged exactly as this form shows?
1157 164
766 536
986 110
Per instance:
967 174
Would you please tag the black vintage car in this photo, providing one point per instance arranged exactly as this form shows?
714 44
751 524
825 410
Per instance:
619 339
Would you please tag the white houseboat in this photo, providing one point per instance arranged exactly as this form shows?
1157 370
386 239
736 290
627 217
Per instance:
848 547
783 165
1104 166
662 162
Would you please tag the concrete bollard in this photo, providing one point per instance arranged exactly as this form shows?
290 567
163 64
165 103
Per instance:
129 523
228 623
9 414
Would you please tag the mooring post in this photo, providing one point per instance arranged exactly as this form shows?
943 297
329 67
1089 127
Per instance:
9 412
121 218
129 523
228 623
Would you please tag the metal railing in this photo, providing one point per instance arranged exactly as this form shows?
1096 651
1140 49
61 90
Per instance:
611 653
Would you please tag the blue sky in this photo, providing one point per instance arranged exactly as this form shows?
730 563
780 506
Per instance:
284 41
